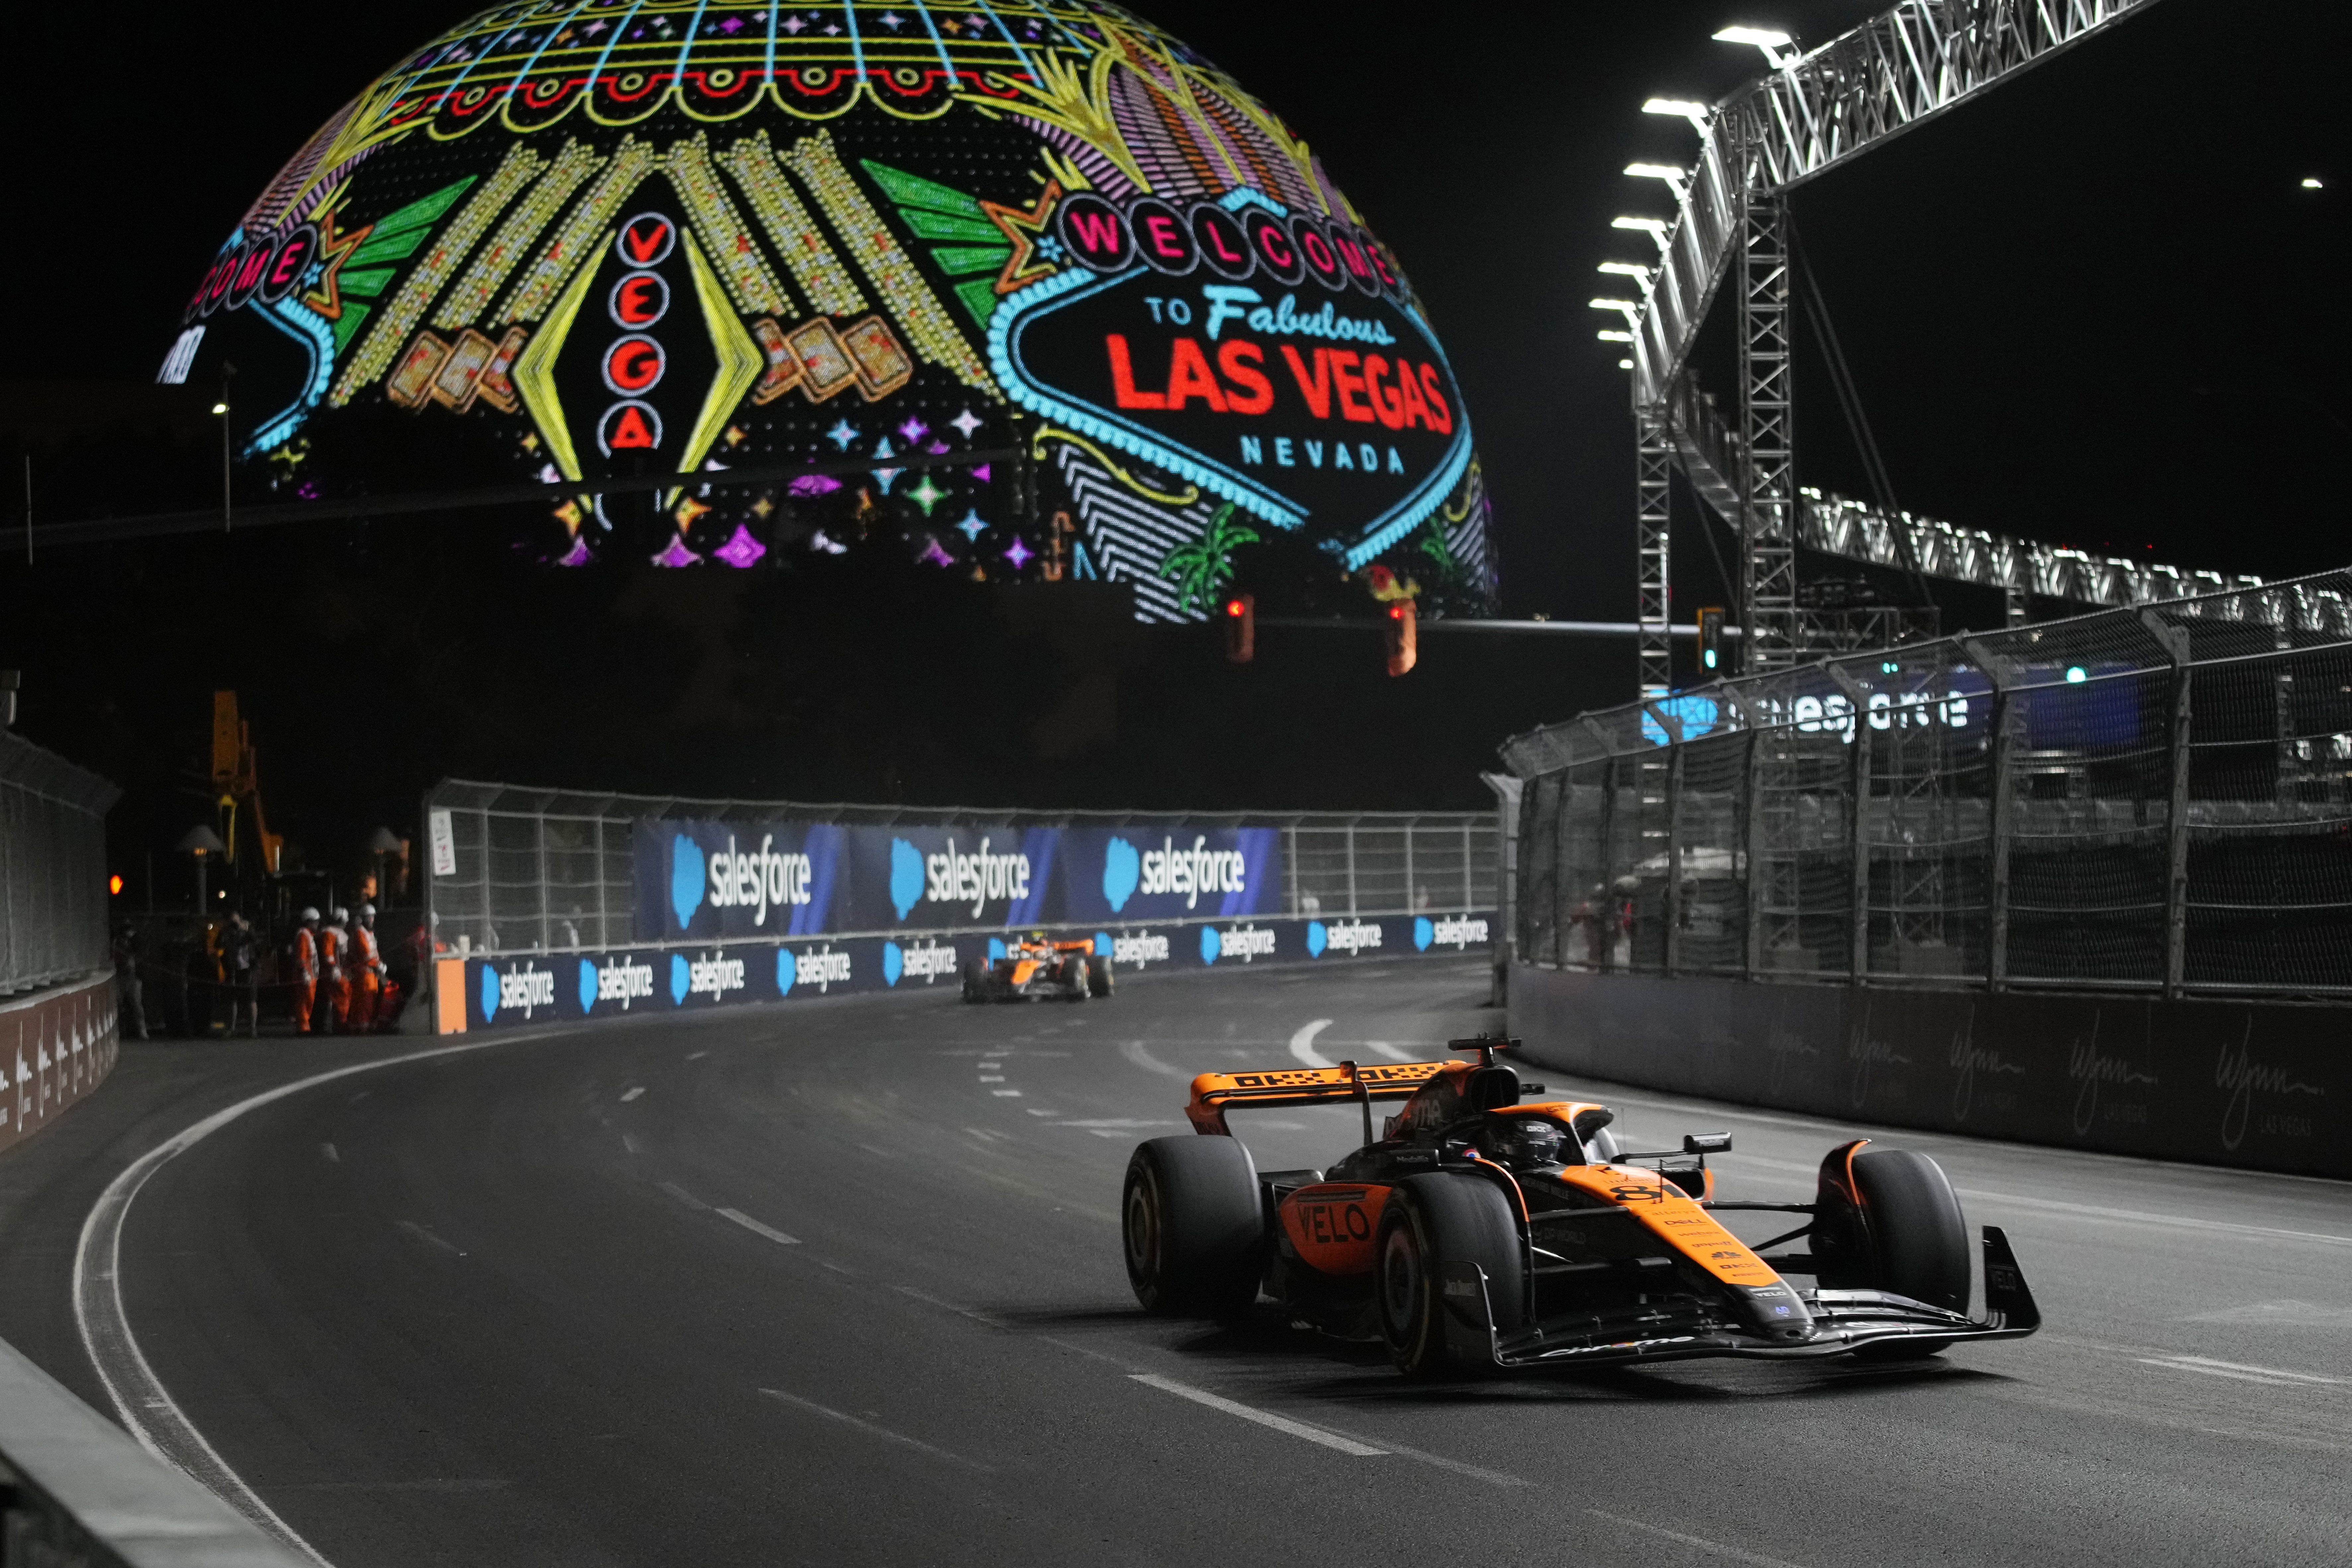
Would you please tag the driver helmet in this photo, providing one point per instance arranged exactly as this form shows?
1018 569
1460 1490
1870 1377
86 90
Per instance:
1526 1140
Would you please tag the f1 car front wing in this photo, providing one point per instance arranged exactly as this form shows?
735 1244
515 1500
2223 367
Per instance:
1843 1320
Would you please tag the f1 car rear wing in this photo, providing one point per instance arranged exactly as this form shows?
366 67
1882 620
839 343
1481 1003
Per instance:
1214 1092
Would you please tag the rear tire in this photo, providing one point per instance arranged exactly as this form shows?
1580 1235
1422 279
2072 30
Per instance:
971 991
1193 1226
1430 1221
1098 980
1073 975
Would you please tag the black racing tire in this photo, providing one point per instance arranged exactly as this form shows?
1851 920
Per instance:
1072 973
1193 1226
1098 974
1918 1239
971 983
1428 1221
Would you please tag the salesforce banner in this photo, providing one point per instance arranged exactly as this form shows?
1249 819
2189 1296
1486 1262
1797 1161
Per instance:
545 988
698 881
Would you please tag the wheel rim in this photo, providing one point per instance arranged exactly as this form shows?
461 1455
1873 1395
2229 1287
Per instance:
1143 1232
1401 1283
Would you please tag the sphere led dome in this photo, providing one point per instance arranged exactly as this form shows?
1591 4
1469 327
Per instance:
628 238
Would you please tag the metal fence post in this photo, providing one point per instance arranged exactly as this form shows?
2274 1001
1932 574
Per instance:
1752 841
1351 870
2175 645
2000 807
1858 897
1673 903
1411 901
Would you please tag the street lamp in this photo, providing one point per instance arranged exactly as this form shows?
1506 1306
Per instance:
220 409
202 843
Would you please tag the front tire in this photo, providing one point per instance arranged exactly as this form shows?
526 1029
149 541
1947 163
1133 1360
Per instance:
1429 1222
1903 1234
1193 1226
1073 976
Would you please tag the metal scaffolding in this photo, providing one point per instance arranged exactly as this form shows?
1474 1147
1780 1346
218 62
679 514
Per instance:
1812 114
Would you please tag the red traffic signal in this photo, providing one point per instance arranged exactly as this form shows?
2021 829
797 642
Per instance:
1399 633
1241 628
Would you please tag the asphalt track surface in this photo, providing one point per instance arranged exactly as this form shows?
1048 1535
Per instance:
840 1283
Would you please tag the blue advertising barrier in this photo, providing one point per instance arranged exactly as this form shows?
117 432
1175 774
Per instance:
513 992
705 880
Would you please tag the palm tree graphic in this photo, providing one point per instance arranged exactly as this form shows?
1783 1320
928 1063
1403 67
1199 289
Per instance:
1205 566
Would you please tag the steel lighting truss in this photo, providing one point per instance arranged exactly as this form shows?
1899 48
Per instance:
1812 113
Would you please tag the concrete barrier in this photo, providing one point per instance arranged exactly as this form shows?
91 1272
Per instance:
56 1046
2266 1085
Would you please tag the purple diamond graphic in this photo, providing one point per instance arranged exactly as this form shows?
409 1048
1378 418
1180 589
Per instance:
1019 554
741 551
578 555
814 485
676 554
980 473
935 556
730 24
913 430
936 449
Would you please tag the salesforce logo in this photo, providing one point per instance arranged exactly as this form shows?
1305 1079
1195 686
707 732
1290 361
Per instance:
906 876
926 961
707 974
1133 950
822 970
1244 942
1351 937
617 980
685 878
1120 872
524 990
1190 872
756 879
979 879
1456 932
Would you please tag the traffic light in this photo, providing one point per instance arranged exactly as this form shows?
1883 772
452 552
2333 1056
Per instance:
1710 638
1397 632
1241 628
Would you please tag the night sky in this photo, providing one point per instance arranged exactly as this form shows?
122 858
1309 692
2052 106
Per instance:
2094 308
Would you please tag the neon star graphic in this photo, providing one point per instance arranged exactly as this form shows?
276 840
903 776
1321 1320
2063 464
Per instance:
1024 229
966 422
926 494
842 434
971 527
1019 554
913 430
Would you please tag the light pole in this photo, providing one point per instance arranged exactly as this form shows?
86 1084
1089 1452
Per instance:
221 409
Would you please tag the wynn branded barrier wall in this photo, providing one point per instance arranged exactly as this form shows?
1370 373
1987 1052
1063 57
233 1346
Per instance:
545 904
2263 1085
55 1047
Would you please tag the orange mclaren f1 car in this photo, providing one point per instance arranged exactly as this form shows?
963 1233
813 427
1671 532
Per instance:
1033 966
1480 1232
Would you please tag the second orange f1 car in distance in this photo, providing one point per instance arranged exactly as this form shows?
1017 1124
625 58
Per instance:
1034 967
1479 1231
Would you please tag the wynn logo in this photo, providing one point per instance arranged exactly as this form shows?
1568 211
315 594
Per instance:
2237 1071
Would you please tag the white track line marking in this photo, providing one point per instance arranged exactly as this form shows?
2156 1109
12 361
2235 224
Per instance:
1302 1043
1263 1417
2241 1372
989 1320
1756 1558
753 1225
633 1094
682 1195
329 1150
427 1237
871 1430
992 1077
1035 1111
2136 1217
1133 1051
1005 1093
140 1402
696 1055
629 1144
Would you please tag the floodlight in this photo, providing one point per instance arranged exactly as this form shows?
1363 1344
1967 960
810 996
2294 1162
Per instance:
1653 227
2075 675
1765 38
1625 305
220 407
1613 336
1697 114
2312 184
1627 269
1624 364
1665 171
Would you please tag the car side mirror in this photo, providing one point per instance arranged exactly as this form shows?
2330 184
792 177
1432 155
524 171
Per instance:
1707 1143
